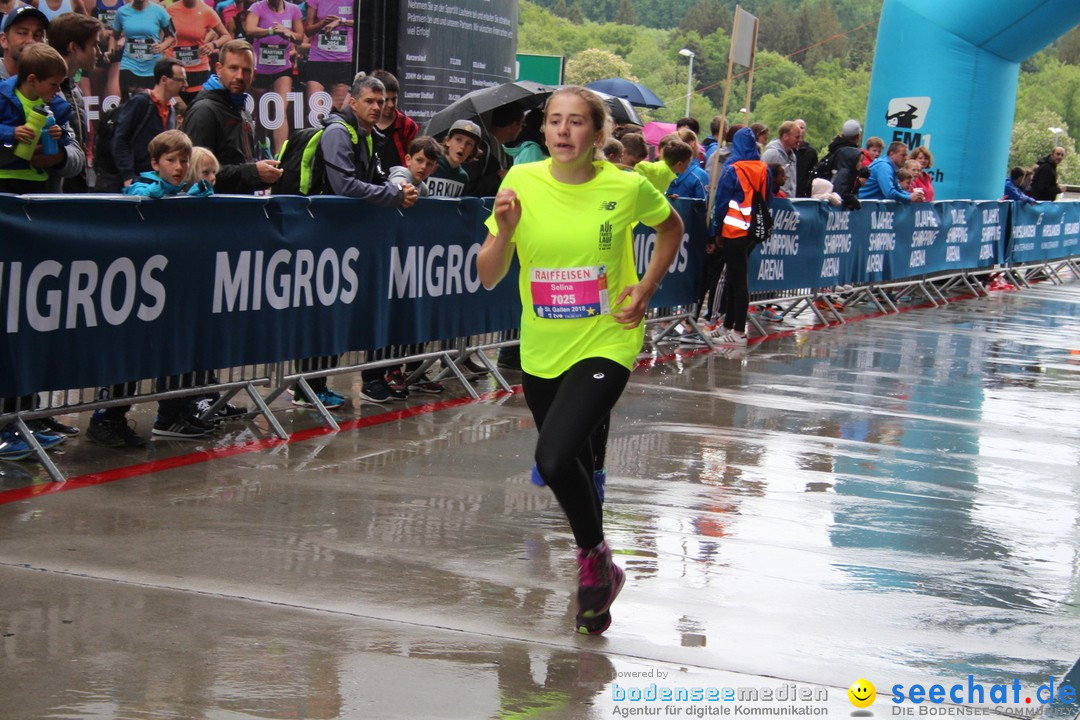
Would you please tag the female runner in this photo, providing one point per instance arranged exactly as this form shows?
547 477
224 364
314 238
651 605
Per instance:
569 219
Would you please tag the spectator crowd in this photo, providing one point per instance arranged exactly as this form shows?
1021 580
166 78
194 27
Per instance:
185 77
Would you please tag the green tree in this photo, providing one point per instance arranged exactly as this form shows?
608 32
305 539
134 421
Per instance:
1032 140
625 14
821 33
599 10
706 17
590 65
1069 47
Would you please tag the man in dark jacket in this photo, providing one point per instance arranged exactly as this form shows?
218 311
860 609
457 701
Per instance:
218 121
1044 184
348 154
806 157
847 154
145 116
348 149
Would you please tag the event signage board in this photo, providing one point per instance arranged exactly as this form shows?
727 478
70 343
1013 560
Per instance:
446 50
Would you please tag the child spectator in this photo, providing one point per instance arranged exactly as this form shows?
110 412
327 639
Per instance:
1013 189
778 176
675 158
822 189
420 162
170 158
635 149
460 143
905 178
874 147
204 167
694 181
613 152
42 70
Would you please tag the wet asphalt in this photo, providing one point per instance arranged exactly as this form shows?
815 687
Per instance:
896 499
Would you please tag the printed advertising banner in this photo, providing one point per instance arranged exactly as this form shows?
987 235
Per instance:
130 293
303 66
446 50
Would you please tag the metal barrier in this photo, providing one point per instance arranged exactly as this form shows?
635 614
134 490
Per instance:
675 324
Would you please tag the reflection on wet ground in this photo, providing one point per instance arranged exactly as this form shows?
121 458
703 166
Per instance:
894 499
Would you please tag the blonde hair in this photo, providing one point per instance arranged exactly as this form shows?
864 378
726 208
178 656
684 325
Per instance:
200 158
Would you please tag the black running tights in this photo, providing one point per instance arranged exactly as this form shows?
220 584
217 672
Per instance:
567 410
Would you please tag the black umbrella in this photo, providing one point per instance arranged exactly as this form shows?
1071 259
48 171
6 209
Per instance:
481 102
622 112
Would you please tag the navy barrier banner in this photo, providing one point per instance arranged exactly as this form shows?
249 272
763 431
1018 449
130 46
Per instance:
96 291
816 245
1044 231
686 273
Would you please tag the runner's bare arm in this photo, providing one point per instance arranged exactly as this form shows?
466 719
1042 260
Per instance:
494 258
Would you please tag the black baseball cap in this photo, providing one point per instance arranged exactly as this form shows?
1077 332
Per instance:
21 13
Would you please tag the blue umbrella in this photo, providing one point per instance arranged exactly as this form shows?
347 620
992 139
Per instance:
632 92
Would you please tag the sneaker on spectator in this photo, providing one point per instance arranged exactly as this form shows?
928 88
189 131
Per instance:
395 378
424 384
178 428
471 366
13 447
227 411
53 426
114 434
692 338
770 313
397 393
328 398
376 391
733 339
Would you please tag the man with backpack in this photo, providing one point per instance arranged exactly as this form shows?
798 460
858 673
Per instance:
345 162
840 166
138 121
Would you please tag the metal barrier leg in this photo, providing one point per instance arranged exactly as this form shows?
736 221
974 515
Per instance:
494 370
265 411
452 367
42 456
314 400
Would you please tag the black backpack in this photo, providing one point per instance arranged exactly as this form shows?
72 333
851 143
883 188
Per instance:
761 220
825 168
104 161
300 174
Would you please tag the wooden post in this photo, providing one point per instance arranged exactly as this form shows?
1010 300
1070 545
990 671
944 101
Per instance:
750 77
727 85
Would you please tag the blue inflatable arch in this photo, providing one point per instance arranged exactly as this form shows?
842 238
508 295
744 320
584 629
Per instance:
945 76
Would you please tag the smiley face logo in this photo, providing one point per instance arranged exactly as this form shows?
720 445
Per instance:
862 693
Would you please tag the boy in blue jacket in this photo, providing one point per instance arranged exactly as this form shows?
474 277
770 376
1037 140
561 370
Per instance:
42 70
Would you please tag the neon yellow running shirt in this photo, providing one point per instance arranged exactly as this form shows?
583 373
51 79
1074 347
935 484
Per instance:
575 247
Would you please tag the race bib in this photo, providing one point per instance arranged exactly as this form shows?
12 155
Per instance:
187 55
139 49
334 41
570 293
274 55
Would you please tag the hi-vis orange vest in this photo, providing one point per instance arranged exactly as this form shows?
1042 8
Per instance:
753 177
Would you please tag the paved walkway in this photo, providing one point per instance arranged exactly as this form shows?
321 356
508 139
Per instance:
895 499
